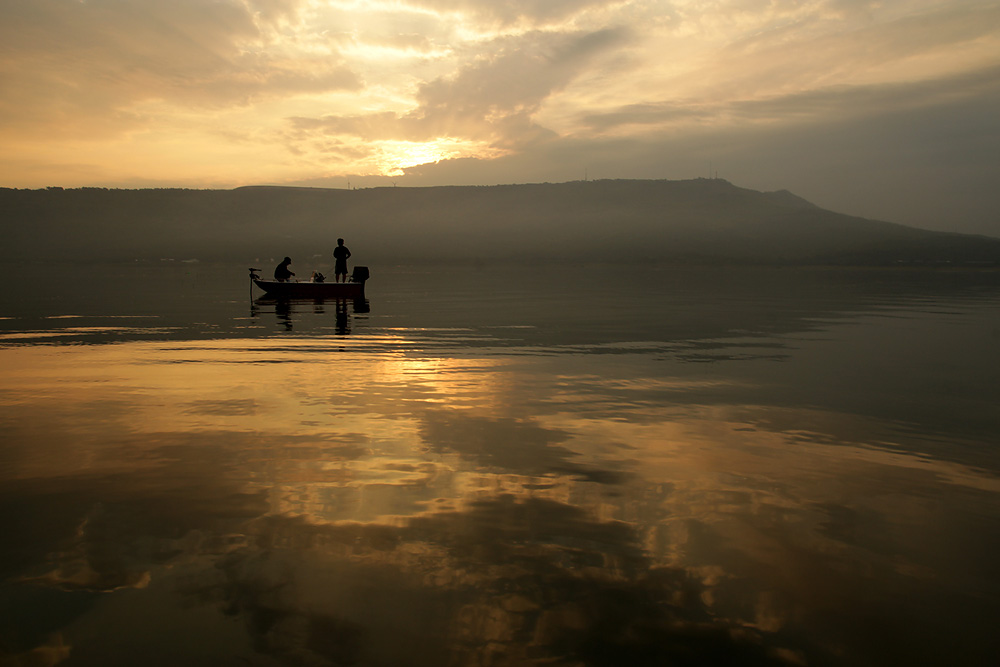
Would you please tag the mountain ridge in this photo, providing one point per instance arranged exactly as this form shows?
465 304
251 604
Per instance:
698 220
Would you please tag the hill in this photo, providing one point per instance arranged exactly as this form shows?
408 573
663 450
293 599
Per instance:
699 220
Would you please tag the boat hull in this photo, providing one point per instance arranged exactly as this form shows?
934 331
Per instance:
291 290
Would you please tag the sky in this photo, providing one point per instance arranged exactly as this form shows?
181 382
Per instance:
886 109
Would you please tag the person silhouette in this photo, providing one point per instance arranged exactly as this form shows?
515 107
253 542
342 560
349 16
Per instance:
340 253
281 272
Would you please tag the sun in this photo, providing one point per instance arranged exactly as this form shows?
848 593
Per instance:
392 157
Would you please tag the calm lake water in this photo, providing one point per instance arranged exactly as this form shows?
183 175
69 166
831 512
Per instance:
476 466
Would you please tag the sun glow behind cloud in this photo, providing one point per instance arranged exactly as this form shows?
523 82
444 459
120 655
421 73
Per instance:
392 157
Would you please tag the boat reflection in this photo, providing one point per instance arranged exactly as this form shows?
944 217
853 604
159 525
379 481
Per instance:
288 311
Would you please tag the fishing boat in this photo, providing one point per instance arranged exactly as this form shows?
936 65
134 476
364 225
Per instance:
314 289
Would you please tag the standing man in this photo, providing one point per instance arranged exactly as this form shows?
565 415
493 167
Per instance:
340 253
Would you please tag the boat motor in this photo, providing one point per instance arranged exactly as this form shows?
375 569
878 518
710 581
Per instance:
360 274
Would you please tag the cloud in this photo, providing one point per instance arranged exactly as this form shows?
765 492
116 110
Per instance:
275 11
815 105
521 71
533 12
383 125
491 99
817 49
76 64
870 100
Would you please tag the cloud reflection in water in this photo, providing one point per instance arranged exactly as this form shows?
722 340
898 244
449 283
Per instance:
303 500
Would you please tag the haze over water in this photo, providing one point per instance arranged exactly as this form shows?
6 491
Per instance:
501 466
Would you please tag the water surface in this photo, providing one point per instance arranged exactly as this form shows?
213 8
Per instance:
484 466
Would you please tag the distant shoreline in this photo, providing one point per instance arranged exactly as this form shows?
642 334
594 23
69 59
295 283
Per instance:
691 222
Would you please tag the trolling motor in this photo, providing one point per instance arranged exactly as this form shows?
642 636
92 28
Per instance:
253 276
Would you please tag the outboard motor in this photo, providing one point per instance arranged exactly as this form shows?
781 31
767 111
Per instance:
360 274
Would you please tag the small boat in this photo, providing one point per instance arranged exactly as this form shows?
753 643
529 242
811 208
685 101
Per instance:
313 289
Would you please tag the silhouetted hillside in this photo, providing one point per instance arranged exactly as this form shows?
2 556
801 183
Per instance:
623 221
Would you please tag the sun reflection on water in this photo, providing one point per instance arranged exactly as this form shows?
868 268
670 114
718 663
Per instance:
480 508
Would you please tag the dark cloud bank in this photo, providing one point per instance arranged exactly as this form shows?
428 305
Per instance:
702 220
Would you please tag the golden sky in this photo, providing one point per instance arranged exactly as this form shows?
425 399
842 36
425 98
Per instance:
880 108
